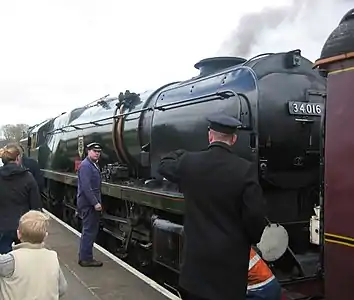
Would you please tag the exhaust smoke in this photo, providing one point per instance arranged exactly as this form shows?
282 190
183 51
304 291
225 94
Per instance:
303 24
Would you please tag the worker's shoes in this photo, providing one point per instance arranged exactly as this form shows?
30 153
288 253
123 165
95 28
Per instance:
90 263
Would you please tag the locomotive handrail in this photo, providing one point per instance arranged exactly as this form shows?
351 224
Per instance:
90 123
205 98
189 103
223 94
249 109
257 56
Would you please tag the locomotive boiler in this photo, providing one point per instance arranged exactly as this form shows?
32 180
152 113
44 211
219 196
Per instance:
279 99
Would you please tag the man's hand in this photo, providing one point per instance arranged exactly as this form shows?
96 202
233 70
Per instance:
98 207
170 165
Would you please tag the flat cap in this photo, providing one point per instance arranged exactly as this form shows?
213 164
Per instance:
94 146
224 123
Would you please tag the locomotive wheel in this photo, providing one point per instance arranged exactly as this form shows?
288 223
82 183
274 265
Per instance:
52 204
66 214
48 203
69 209
71 201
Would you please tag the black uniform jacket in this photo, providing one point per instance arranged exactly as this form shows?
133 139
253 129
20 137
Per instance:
225 214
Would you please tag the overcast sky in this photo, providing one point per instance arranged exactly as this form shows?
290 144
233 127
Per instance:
56 55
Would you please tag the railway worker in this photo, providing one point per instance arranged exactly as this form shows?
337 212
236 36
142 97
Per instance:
224 213
262 284
33 166
19 193
89 204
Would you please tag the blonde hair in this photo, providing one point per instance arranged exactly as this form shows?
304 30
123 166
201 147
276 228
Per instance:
10 152
33 227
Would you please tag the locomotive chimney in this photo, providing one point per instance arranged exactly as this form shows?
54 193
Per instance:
211 65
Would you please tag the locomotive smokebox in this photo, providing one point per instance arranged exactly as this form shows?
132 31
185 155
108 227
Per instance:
213 64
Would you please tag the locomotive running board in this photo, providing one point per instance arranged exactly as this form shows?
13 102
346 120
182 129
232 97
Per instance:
159 199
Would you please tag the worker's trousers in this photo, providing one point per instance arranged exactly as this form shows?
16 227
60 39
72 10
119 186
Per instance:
90 226
271 291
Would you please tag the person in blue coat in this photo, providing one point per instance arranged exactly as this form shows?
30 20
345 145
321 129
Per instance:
89 204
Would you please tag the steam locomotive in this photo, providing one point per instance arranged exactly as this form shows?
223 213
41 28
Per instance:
279 99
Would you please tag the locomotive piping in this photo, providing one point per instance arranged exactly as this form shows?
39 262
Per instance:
118 136
114 137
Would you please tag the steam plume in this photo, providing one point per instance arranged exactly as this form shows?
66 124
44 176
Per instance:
303 24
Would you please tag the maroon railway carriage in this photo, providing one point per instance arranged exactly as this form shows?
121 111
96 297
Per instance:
334 220
337 64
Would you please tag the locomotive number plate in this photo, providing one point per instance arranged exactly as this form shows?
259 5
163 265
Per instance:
305 108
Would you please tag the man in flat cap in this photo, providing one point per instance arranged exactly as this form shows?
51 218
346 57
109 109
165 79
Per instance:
89 204
224 215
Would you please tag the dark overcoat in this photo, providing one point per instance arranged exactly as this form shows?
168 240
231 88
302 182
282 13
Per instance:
33 166
225 214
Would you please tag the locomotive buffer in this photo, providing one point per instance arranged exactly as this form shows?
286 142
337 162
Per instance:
115 280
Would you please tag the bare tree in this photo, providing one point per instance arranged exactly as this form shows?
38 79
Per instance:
14 132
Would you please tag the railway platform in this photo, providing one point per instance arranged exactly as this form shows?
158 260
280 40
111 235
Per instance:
114 280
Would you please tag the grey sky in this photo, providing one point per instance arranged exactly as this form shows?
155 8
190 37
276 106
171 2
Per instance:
56 55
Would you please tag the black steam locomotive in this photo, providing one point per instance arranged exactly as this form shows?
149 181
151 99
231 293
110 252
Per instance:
279 99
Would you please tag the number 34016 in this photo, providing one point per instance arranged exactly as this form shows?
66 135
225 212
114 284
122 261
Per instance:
303 108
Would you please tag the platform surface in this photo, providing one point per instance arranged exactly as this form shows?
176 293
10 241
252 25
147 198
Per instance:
114 280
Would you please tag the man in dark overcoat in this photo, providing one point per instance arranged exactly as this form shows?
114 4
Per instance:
33 166
89 204
224 213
